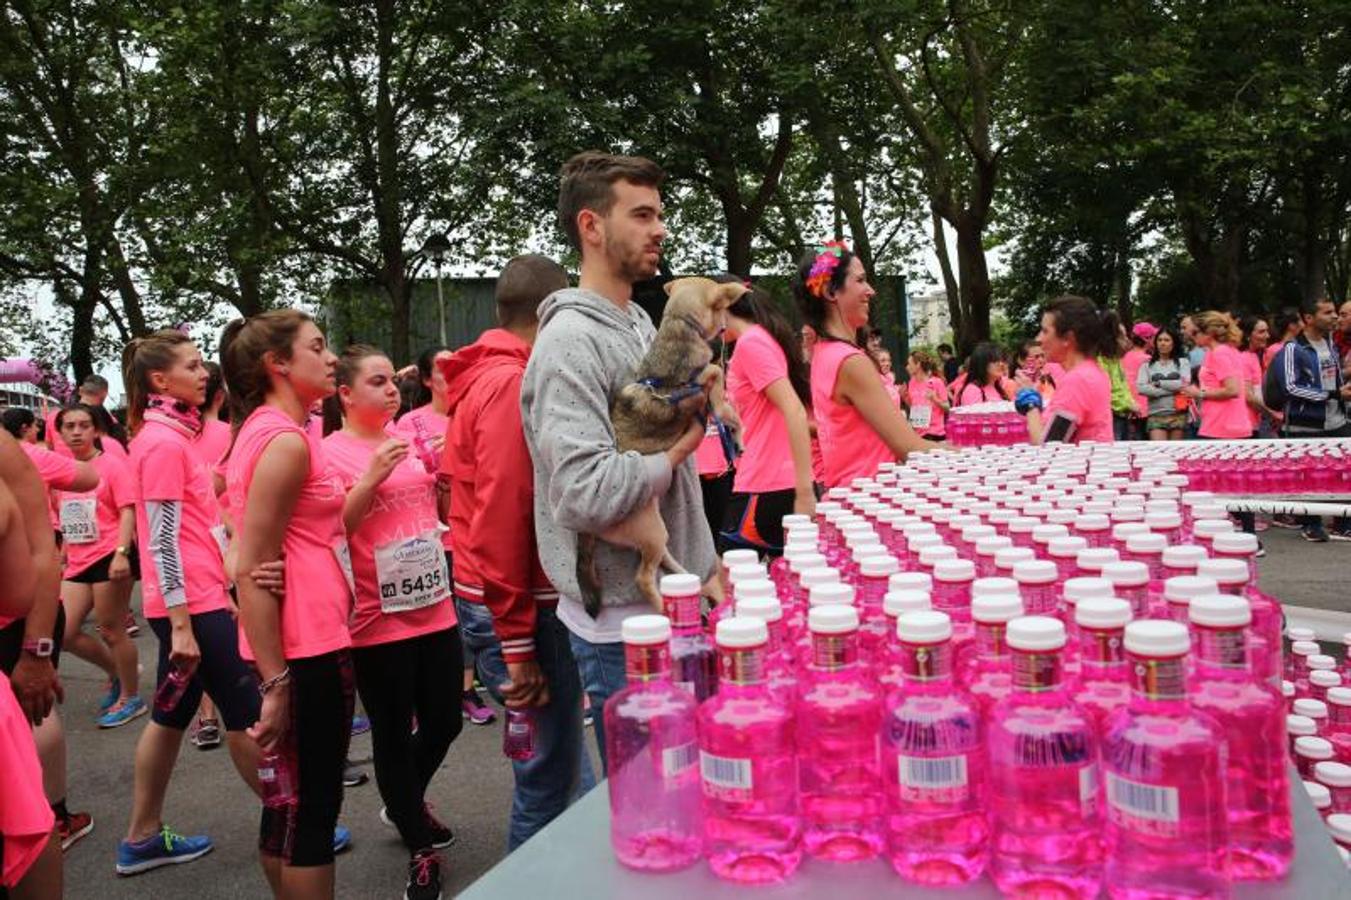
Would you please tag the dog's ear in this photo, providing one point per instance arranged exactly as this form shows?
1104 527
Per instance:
724 295
671 285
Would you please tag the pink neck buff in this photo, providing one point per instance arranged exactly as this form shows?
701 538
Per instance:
174 413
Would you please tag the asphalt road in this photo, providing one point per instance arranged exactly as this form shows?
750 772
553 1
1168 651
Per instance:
472 792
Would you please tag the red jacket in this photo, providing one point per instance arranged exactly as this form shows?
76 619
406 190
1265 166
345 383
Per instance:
492 494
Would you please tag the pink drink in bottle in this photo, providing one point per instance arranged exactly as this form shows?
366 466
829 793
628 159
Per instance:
1167 832
986 673
518 733
1103 685
1038 584
175 685
1252 718
933 762
887 665
422 443
1336 777
656 819
694 664
1147 549
1043 774
1310 750
838 715
1064 553
1264 643
780 666
986 549
1339 721
1130 582
748 765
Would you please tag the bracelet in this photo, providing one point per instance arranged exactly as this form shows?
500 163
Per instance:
280 678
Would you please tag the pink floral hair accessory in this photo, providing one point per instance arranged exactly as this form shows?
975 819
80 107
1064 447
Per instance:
828 257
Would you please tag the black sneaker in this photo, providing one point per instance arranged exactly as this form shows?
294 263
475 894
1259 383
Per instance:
442 836
1340 534
1314 534
352 776
1284 521
424 876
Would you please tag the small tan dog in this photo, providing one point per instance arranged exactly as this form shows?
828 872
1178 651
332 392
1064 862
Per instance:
672 386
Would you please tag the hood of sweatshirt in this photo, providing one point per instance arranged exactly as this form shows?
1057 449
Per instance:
494 349
594 307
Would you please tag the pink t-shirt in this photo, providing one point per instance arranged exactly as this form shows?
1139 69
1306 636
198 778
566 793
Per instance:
437 425
1225 419
709 457
1131 363
89 520
1252 378
213 441
1084 393
168 466
56 471
932 423
317 585
1270 353
25 816
972 394
849 447
767 465
403 584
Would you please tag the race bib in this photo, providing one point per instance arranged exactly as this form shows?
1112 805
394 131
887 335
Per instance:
343 554
79 523
411 573
920 416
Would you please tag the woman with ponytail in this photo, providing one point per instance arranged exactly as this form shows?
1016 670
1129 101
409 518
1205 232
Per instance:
858 425
1074 334
770 387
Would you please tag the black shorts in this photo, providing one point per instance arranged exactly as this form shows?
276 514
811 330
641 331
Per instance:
755 521
11 641
95 573
315 747
222 674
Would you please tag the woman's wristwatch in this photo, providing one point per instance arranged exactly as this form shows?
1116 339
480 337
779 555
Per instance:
42 648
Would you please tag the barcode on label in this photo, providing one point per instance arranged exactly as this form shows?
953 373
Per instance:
1142 801
725 777
1088 789
675 760
941 772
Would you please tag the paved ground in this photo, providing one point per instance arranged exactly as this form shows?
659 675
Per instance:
471 793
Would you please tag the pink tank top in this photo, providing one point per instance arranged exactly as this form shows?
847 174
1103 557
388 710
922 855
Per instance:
849 447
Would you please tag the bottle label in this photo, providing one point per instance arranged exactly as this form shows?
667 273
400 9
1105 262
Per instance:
1159 679
675 761
687 686
1143 808
990 639
1036 672
941 779
834 651
682 611
726 779
1088 790
1225 648
926 662
643 662
742 666
1103 647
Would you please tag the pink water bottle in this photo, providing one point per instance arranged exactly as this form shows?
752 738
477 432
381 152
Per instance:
1130 582
1167 831
1336 777
1039 584
1252 718
693 660
656 819
1339 722
748 765
1232 576
838 715
933 762
887 659
1103 685
518 734
422 443
780 666
172 690
986 671
1043 774
277 777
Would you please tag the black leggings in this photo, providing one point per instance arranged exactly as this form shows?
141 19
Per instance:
222 674
419 676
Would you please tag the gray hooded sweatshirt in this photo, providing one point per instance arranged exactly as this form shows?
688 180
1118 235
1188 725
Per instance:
587 350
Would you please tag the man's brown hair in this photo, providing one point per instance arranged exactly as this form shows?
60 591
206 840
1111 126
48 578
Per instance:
524 283
587 182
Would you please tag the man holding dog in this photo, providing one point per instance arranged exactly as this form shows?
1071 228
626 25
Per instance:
590 343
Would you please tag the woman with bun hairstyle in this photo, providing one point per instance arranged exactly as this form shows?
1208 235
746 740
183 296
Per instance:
1074 334
286 501
858 424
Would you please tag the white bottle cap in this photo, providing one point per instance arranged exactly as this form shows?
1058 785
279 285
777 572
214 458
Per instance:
953 571
1321 661
1339 696
740 632
1066 547
1092 521
1044 534
1339 826
760 587
1210 511
800 563
984 587
1300 725
911 581
1313 748
1102 612
918 529
1156 638
1308 706
833 592
799 543
1219 611
1182 588
974 534
1011 556
1092 559
894 603
879 566
1305 648
991 545
1077 590
792 521
645 630
991 609
833 619
1023 524
922 542
924 627
738 557
1152 543
1035 571
1062 516
1163 520
1235 543
1124 512
1036 633
1333 774
1206 529
746 572
931 556
1122 532
1184 556
856 527
1288 690
1319 795
767 609
1325 679
1126 574
871 551
1227 572
826 507
679 585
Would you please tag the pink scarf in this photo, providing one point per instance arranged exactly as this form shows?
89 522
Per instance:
175 413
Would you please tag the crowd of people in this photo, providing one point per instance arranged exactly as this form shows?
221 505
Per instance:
306 532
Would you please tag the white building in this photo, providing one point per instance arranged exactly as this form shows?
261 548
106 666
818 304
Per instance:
930 321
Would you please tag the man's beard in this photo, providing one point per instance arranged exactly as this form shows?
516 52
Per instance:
632 265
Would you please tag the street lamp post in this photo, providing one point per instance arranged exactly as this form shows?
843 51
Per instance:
435 248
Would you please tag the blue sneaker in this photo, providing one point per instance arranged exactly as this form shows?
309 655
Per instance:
342 838
164 849
122 713
360 725
114 691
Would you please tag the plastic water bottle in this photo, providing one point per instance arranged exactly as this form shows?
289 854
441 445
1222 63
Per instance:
748 765
838 714
1103 685
1130 582
1232 576
172 690
1339 721
986 673
518 734
1250 714
1310 750
278 779
887 661
1064 553
422 443
1167 831
933 762
780 665
1336 777
694 663
656 820
1043 774
1038 584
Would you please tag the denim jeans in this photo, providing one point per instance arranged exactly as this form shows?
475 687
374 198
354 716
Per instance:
602 670
560 770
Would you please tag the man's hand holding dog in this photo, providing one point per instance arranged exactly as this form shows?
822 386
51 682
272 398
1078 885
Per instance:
687 444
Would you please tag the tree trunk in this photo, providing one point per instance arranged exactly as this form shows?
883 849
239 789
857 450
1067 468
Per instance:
975 286
950 286
388 187
740 235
